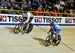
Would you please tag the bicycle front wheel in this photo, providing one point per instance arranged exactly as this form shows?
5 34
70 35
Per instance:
47 41
17 28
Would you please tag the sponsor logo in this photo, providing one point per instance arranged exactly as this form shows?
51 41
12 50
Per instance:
3 18
47 20
10 18
68 20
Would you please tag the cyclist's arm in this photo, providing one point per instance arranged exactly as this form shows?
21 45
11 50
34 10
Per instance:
50 30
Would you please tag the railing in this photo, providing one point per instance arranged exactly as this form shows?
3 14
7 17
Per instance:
9 11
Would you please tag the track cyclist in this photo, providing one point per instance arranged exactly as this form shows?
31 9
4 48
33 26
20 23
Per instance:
55 30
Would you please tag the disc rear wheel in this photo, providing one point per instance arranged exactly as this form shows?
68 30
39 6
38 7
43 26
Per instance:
28 27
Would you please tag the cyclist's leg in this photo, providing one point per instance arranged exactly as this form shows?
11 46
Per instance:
28 24
31 18
51 38
57 37
48 40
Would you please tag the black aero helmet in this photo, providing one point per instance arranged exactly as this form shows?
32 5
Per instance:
51 23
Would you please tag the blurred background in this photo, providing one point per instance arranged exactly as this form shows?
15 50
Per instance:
65 8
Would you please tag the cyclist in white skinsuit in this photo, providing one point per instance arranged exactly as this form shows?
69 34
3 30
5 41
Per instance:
27 19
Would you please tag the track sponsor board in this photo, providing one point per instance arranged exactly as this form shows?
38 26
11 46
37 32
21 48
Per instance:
47 19
10 19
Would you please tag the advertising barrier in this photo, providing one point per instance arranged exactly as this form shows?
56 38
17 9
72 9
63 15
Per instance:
63 21
11 20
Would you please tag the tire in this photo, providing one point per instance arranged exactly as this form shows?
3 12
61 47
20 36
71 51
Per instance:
17 28
29 28
47 41
58 41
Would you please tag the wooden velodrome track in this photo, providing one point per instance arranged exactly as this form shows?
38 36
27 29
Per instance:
32 42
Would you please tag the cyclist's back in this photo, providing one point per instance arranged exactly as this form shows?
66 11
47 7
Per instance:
56 26
28 17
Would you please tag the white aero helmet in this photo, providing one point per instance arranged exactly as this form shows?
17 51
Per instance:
29 14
